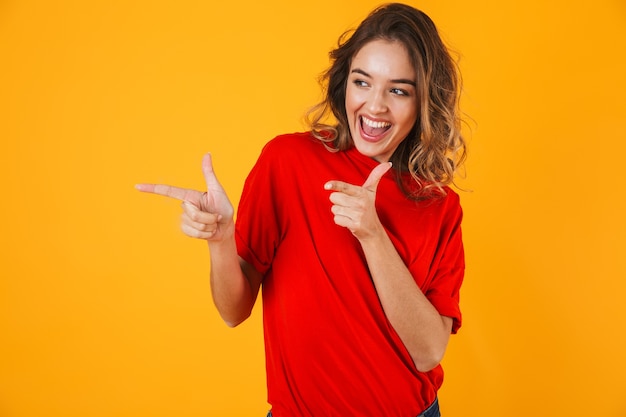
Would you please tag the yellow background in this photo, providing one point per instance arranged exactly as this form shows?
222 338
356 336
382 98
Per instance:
104 305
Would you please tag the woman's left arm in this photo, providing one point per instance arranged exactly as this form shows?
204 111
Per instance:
424 332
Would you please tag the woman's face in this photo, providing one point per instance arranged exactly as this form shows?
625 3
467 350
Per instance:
381 98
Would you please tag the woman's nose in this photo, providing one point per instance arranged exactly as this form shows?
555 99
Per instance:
376 102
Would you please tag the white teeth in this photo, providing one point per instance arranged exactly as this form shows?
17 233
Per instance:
375 125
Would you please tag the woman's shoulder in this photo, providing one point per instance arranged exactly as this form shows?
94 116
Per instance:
296 139
292 144
446 196
451 202
438 201
427 192
451 195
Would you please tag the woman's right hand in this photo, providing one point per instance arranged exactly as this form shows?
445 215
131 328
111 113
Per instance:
206 215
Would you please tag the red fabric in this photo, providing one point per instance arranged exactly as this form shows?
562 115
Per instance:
330 350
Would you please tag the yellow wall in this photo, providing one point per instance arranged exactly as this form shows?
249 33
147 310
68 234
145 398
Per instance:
104 305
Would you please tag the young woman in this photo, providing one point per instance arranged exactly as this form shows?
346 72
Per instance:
351 230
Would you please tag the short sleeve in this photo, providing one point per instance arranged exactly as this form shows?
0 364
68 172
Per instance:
449 263
258 229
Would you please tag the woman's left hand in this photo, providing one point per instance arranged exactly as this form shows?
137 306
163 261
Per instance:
354 206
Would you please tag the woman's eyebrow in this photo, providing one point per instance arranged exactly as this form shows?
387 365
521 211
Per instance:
396 81
360 71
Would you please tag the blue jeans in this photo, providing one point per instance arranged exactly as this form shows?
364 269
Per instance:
431 411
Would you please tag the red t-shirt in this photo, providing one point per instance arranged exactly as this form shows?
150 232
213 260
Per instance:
330 349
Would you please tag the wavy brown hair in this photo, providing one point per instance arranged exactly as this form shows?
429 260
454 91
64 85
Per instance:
435 148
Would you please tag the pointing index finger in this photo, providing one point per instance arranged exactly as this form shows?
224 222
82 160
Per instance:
342 187
169 191
370 184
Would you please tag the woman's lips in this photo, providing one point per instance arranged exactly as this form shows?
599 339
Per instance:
372 130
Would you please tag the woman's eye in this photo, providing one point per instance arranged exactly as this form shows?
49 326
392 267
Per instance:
399 91
360 83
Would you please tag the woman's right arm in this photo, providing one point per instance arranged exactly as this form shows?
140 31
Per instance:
234 283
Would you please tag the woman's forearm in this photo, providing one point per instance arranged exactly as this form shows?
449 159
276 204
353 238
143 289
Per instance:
234 283
424 332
